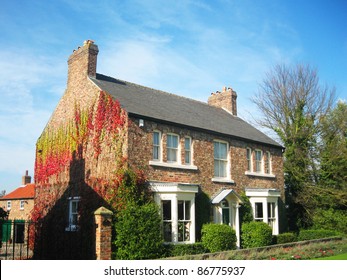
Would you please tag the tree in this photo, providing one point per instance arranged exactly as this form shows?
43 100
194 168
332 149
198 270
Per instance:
333 148
292 102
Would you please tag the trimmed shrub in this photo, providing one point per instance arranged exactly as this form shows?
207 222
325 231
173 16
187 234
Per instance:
138 233
256 234
310 234
330 219
218 237
286 237
173 250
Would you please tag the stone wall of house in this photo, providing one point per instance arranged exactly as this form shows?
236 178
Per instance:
140 154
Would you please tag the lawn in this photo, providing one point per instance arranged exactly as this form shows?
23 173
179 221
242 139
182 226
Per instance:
308 250
336 257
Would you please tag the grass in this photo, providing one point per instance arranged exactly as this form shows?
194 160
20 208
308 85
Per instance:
336 257
307 250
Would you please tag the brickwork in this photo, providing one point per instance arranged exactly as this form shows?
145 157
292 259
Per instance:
16 213
140 154
103 237
225 99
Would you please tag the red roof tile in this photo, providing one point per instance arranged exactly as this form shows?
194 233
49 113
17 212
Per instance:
27 191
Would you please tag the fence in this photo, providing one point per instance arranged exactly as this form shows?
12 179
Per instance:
15 240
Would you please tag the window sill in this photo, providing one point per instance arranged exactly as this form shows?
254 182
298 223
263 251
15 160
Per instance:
256 174
172 165
223 180
72 228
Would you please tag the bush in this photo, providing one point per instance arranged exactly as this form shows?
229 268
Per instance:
173 250
286 237
256 234
330 219
310 234
218 237
138 233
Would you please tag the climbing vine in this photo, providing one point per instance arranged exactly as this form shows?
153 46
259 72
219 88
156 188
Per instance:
86 134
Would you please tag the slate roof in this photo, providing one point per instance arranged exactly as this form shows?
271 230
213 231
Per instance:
161 106
26 191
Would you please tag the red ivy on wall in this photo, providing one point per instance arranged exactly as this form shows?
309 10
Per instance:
95 128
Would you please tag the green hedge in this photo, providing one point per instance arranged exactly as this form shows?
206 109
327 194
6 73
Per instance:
256 234
218 237
174 250
310 234
138 233
286 237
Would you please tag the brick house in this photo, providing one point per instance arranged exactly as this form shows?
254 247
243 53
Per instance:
19 204
187 148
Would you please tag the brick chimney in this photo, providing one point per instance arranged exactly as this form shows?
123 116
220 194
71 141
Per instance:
225 99
26 179
82 62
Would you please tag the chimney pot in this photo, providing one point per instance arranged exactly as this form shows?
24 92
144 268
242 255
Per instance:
26 179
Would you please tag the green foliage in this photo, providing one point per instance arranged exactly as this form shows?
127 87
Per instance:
203 212
333 148
173 250
246 213
3 214
218 237
286 237
310 234
138 233
256 234
330 220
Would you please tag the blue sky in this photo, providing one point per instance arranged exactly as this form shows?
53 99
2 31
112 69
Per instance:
190 48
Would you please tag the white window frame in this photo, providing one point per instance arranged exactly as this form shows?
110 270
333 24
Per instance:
73 216
267 163
249 158
21 204
9 204
188 151
171 164
226 178
174 149
157 146
265 196
176 192
259 168
184 222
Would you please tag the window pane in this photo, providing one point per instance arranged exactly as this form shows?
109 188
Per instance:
216 150
155 152
180 210
271 209
167 228
155 138
223 150
187 143
187 210
258 210
166 204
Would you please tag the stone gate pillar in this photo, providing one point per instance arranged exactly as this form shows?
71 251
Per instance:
103 238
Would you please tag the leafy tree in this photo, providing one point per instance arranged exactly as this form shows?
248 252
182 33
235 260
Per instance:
292 103
333 148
